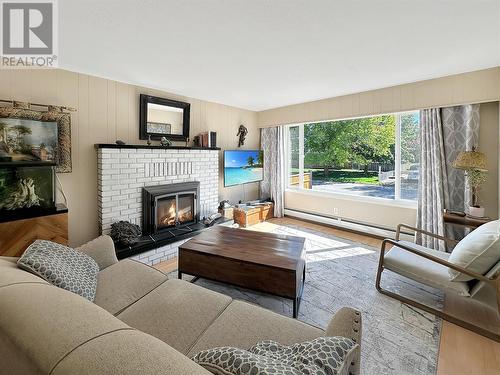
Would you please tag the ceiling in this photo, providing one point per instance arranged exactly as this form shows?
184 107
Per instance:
261 54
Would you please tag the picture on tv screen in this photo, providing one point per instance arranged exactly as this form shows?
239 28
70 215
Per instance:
242 167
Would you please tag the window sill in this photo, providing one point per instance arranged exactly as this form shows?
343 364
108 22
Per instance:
357 198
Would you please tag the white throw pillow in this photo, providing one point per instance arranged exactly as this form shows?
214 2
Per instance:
477 252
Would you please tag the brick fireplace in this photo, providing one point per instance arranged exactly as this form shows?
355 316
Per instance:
127 172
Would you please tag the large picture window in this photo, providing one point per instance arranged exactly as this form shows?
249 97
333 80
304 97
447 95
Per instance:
376 156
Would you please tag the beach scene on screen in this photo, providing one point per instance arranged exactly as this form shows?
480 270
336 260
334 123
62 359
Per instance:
242 166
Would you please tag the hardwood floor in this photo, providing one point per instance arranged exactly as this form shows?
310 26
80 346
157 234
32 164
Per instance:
167 266
461 351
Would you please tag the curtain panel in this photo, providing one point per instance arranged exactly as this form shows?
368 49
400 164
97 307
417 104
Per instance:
461 133
444 132
273 184
433 192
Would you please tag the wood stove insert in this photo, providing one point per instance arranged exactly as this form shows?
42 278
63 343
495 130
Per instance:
170 207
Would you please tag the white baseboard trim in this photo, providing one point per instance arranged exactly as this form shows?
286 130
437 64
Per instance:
342 224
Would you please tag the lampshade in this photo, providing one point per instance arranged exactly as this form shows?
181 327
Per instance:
470 160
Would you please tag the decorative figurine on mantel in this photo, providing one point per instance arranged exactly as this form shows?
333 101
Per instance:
149 140
165 142
196 141
242 133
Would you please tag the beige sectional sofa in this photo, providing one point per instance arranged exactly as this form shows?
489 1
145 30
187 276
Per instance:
140 322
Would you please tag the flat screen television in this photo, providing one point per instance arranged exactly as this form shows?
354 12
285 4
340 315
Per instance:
243 167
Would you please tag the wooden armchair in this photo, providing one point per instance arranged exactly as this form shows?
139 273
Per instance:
431 267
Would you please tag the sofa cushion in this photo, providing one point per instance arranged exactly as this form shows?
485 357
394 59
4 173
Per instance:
45 323
126 352
423 270
9 259
61 266
102 250
125 282
177 312
479 251
242 325
10 274
323 355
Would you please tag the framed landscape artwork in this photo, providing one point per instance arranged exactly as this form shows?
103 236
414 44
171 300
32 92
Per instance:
28 141
30 137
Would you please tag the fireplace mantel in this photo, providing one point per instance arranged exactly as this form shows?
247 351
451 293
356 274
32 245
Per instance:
152 147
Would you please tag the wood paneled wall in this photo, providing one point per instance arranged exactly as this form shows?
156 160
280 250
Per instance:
475 87
108 110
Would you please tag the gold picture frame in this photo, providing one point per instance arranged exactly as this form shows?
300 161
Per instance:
22 110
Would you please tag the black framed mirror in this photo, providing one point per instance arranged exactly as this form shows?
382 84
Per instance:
160 117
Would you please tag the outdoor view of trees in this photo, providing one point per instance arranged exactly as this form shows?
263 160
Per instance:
360 154
361 141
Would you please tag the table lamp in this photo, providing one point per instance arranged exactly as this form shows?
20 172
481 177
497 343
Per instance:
474 165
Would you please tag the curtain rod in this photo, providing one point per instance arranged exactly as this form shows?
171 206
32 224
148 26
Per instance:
63 108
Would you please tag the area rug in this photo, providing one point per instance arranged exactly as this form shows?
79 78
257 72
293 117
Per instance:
397 339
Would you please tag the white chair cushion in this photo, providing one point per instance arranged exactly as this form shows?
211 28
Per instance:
479 251
421 269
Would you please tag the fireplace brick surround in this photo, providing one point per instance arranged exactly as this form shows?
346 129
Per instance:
124 170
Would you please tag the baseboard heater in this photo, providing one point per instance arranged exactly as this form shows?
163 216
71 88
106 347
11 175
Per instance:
350 225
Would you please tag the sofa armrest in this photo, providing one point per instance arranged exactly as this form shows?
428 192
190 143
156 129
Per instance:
102 250
347 323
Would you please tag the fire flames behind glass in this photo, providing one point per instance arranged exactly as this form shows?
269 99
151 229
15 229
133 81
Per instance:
169 215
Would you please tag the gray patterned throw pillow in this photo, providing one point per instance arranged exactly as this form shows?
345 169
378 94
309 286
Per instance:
321 356
61 266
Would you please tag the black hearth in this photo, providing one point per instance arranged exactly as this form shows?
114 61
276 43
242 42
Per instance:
170 208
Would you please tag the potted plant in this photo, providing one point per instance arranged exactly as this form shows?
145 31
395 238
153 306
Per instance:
475 179
474 165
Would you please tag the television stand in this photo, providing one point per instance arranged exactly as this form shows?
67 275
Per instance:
252 214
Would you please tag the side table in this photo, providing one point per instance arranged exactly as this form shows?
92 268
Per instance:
466 221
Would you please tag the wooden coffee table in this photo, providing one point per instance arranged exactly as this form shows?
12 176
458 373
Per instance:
265 262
